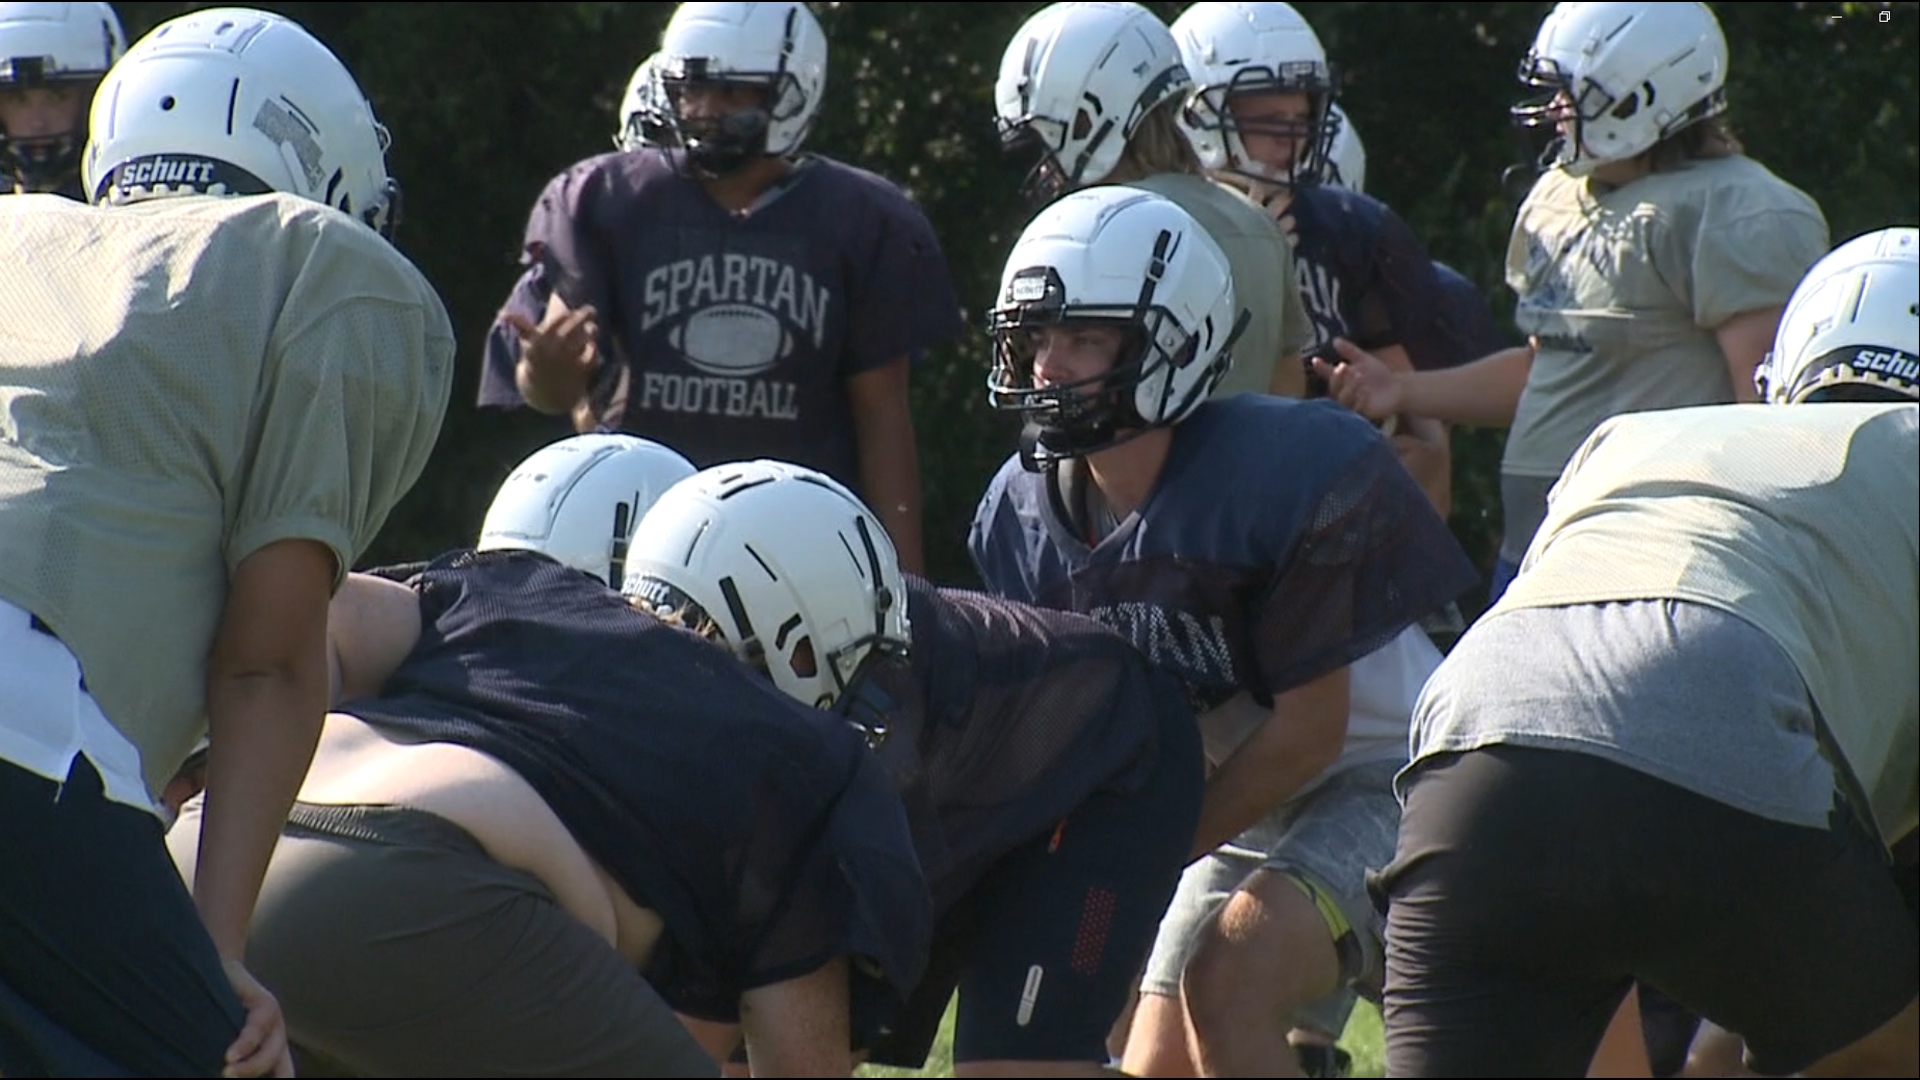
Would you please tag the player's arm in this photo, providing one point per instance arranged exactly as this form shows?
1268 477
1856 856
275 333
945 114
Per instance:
799 1027
1744 340
1484 393
1301 736
372 624
1420 442
558 356
560 348
889 458
266 698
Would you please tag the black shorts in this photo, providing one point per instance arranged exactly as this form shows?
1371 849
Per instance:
1532 887
104 963
1044 950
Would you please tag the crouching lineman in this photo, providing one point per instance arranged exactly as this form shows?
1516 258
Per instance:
1051 776
1680 747
541 822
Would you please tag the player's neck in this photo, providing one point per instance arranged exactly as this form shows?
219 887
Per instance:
1618 174
1126 474
738 192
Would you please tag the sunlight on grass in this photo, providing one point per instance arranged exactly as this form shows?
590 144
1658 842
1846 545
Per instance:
1362 1040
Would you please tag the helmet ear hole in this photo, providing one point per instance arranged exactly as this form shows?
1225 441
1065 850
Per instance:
803 661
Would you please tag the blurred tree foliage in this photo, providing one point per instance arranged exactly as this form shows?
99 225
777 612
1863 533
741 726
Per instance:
487 101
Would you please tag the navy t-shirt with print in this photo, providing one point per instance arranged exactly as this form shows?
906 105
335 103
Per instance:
733 335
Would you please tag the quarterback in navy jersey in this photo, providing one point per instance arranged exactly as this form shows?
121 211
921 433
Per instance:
623 818
731 296
1255 547
1051 776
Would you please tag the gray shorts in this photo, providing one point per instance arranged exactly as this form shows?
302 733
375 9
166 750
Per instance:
398 948
1329 838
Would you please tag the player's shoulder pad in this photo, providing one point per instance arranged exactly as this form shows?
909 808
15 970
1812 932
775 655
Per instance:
1738 186
1014 487
1332 199
882 192
1452 279
321 244
857 196
1259 443
588 182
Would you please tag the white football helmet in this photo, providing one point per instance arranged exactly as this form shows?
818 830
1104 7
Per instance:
53 45
1851 329
1075 83
643 110
793 570
777 47
1619 77
577 500
1254 48
1119 257
232 101
1348 154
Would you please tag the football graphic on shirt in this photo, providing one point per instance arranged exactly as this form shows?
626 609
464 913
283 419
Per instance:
733 340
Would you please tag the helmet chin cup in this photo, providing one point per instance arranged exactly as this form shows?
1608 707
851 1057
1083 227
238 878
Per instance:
42 164
722 146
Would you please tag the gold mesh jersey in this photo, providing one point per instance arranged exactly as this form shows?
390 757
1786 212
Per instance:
182 382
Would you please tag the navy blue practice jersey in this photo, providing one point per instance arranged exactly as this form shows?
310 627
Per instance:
1364 275
763 833
1282 541
733 335
1007 719
1465 329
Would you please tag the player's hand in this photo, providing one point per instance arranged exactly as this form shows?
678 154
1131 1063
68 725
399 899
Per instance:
565 343
1362 382
261 1047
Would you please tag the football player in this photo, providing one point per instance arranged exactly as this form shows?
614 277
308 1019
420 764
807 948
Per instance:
734 296
1255 547
644 119
51 58
1650 259
1051 776
1260 119
540 822
1092 92
243 378
1681 747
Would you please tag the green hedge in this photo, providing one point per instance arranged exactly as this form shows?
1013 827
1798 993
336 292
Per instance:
486 101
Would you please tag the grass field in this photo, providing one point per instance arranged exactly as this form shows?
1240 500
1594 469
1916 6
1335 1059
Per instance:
1362 1040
